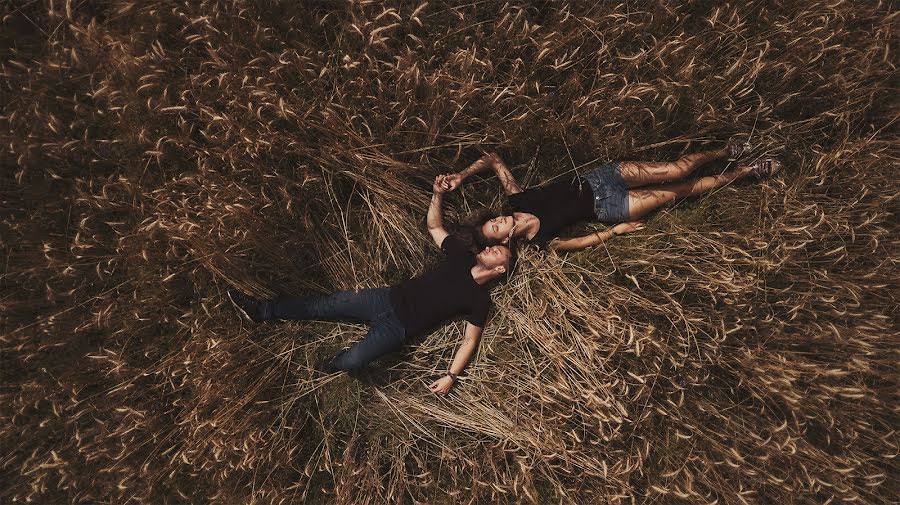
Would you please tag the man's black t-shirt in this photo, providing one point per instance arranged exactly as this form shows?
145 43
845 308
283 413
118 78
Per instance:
442 293
557 205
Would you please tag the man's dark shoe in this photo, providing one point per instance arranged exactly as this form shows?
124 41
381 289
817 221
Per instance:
326 366
250 308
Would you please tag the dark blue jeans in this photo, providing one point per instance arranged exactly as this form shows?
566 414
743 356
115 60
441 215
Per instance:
386 332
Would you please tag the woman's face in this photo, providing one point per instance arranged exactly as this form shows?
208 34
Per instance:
499 228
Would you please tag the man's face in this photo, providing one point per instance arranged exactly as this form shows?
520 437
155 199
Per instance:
493 257
499 228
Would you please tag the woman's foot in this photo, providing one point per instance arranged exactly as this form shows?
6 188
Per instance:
765 167
736 149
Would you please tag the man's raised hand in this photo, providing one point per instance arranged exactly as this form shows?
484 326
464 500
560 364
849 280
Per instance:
440 185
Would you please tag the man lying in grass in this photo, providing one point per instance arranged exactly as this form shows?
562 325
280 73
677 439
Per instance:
617 192
457 286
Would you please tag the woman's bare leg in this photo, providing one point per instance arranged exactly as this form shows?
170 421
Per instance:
644 200
639 173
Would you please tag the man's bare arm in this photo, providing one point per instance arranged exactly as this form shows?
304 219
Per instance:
471 340
435 218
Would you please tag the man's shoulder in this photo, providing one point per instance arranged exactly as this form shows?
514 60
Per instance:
451 241
454 246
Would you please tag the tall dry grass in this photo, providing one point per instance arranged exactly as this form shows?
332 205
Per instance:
743 349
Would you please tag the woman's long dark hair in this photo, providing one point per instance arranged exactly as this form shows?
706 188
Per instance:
470 233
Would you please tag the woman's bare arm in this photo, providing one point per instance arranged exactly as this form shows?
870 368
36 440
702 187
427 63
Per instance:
590 240
488 161
579 243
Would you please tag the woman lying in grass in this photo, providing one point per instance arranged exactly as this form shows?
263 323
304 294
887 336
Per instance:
617 192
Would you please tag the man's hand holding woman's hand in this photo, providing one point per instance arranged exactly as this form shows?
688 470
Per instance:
446 182
440 185
453 181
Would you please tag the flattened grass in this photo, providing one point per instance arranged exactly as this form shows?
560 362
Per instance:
741 349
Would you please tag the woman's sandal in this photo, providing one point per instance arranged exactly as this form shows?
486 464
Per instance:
765 167
736 149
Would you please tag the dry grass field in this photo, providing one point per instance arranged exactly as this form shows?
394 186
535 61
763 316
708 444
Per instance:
743 349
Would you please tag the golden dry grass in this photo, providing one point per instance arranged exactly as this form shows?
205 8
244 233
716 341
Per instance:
742 349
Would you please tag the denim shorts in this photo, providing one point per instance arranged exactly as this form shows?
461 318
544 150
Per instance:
610 193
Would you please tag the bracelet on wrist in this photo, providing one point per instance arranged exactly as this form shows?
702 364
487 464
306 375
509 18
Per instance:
452 376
